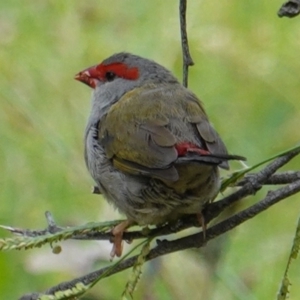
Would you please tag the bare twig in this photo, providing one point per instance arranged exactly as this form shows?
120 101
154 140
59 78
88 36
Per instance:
187 59
251 186
275 179
52 227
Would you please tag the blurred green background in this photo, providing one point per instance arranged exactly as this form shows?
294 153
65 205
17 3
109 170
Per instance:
247 73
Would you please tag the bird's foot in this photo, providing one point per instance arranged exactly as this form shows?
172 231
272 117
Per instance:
201 221
117 240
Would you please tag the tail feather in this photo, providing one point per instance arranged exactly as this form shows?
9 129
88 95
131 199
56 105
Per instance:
215 159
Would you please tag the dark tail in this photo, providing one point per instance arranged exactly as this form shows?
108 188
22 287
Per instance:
220 160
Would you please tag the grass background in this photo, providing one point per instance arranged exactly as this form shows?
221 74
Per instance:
247 74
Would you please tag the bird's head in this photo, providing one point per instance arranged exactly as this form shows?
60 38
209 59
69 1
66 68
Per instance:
124 69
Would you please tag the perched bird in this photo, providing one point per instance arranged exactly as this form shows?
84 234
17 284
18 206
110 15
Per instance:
149 145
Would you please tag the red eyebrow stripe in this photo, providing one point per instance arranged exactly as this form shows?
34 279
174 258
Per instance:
120 69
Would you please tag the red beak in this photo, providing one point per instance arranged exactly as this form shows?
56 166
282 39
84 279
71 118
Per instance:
88 77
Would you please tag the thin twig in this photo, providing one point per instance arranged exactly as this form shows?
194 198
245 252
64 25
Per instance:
252 185
275 179
187 59
52 227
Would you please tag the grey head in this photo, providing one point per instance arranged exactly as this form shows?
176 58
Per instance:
117 75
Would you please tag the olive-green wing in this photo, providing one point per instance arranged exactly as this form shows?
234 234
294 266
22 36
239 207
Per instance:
137 140
208 134
136 132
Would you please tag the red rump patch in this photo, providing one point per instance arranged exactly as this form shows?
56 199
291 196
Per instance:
120 69
184 148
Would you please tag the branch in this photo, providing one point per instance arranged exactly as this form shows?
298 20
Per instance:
275 179
192 241
187 59
253 183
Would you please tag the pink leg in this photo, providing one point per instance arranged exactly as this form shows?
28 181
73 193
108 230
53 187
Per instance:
201 221
118 238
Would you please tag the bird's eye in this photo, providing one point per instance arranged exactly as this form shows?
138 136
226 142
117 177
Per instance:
110 76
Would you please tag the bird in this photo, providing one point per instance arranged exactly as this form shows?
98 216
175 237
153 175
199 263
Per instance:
149 145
